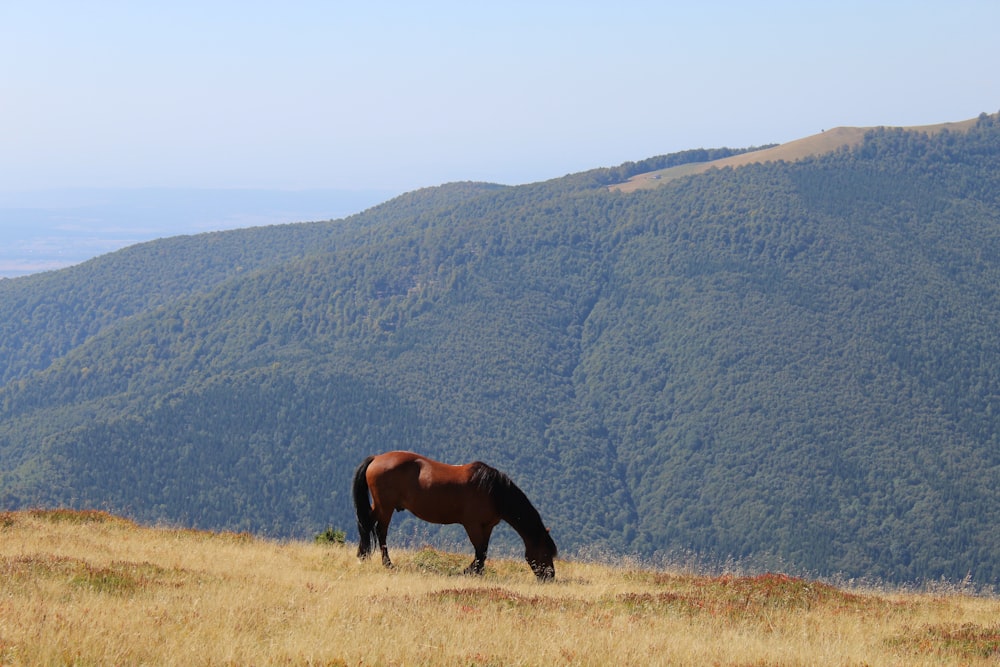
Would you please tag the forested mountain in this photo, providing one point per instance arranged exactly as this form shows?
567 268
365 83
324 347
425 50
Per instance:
797 364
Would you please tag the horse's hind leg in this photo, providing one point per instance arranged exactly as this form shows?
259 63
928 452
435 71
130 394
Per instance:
382 532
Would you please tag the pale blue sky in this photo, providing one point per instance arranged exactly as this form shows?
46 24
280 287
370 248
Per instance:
400 95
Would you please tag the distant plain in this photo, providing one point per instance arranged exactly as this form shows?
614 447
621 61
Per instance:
47 230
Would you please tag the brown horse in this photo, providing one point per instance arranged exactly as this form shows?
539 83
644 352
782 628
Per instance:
474 495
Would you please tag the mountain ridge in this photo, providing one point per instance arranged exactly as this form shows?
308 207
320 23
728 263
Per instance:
818 144
794 364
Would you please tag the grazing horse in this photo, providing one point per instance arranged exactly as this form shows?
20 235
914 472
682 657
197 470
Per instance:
474 495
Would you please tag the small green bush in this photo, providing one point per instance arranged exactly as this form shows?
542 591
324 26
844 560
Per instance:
331 536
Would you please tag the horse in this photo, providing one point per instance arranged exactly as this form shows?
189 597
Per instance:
475 495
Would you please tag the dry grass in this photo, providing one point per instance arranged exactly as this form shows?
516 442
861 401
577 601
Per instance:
817 144
89 588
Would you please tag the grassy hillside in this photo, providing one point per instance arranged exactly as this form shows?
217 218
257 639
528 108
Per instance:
795 365
90 588
825 142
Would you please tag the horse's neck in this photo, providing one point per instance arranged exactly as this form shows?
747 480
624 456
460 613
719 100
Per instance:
526 528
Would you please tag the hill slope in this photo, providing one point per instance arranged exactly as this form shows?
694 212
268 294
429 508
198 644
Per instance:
92 588
792 363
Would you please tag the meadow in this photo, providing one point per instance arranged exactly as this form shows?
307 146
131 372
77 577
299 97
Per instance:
89 588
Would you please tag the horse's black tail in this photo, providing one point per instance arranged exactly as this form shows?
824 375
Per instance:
366 521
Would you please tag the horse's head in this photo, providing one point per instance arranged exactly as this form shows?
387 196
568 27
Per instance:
540 555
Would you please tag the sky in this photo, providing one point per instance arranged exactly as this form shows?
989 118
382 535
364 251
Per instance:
402 95
393 96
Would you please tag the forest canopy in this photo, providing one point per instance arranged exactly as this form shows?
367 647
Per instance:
793 364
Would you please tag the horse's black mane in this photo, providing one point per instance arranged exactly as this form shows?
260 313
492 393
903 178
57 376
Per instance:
513 506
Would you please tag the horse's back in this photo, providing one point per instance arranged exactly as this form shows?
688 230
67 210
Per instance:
434 491
428 471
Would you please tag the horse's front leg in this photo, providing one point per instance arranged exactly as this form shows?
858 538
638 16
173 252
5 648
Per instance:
480 538
478 563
